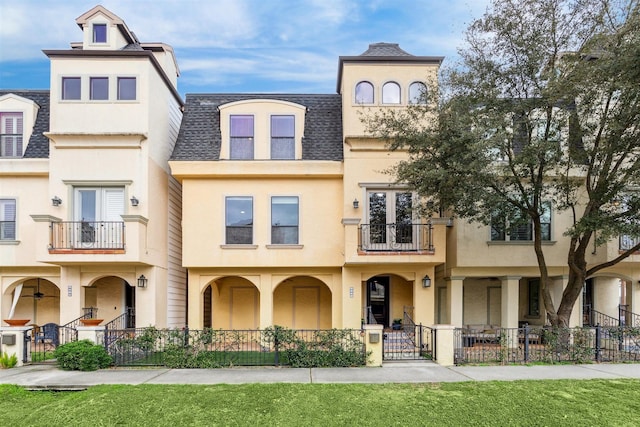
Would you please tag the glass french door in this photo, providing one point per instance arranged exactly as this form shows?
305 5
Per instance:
391 220
97 209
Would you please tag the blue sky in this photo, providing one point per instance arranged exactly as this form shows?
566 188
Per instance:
240 45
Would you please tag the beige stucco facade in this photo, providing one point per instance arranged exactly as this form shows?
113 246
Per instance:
103 147
113 189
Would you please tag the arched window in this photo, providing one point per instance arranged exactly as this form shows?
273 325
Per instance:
364 93
391 93
417 93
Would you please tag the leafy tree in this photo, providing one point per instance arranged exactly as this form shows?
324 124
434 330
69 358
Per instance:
544 107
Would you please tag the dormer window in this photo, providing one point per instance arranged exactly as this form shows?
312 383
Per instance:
11 134
283 143
391 93
99 33
364 93
241 137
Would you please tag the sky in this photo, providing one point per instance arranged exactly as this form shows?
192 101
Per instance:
240 46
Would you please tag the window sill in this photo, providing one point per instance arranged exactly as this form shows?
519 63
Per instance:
285 246
9 242
239 246
518 242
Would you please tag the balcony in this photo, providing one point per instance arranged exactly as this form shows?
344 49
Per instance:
87 236
628 242
395 238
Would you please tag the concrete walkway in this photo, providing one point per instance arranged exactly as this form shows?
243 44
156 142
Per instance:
49 376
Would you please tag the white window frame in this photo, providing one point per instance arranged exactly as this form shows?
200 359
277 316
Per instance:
5 211
16 137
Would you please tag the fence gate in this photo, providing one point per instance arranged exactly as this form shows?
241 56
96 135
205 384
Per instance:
409 342
41 341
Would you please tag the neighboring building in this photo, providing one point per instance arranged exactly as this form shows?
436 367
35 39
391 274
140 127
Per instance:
88 204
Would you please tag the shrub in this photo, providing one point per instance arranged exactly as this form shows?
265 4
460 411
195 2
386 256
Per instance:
7 361
82 356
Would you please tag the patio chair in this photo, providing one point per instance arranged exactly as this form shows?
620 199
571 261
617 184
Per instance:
48 333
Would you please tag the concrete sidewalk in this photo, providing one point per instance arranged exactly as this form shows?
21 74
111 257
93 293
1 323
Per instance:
49 376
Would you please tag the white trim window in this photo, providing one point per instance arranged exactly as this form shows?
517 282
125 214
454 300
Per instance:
285 220
283 140
97 210
391 93
390 217
7 219
519 228
364 93
241 137
11 143
99 33
239 220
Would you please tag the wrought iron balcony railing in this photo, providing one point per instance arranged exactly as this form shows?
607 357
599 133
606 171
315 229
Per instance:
627 242
87 235
395 237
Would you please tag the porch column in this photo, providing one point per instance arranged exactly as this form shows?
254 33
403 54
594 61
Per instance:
424 298
633 296
351 296
71 294
455 301
266 300
509 301
195 319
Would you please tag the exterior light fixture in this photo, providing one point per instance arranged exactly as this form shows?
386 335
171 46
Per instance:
142 281
56 201
426 281
356 203
134 201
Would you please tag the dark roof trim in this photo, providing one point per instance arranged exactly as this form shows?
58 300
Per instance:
116 54
435 60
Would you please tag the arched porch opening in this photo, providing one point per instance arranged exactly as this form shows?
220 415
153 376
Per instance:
37 300
386 298
114 298
302 302
231 303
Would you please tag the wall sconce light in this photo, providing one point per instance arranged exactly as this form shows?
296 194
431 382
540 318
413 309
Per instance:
426 281
56 201
142 281
356 203
134 201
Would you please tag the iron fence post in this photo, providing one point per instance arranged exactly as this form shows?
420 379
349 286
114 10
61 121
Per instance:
598 349
420 341
526 343
186 336
276 357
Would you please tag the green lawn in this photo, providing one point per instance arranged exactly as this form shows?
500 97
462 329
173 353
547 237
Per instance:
526 403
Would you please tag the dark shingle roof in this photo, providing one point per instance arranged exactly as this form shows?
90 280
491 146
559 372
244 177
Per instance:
385 49
200 138
38 145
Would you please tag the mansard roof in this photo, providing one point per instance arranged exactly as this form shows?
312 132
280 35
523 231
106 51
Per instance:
38 144
200 136
384 49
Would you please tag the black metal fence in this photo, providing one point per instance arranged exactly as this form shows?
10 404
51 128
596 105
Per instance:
395 237
410 342
547 345
210 348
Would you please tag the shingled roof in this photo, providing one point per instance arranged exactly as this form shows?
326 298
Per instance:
200 137
38 145
384 49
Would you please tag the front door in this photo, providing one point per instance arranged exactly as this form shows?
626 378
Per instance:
378 299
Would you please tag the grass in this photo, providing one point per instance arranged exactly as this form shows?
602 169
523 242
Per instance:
526 403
